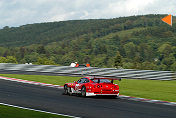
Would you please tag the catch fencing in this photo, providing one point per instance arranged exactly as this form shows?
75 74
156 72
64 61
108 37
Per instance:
86 71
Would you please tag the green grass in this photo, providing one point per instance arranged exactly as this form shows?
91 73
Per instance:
58 80
12 112
151 89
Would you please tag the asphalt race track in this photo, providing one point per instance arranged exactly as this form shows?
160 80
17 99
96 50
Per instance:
51 99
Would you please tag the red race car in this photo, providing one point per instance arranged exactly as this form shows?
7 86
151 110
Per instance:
92 86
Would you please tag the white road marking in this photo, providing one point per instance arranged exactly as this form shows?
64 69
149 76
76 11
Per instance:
38 110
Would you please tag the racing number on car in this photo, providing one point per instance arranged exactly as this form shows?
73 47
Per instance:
77 87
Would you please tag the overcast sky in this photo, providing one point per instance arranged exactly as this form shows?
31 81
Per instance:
20 12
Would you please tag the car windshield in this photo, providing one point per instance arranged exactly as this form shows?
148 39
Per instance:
101 80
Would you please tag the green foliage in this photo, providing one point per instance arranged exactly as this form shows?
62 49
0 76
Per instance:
45 61
8 59
143 42
165 49
130 50
41 50
118 60
173 66
3 60
11 59
128 65
99 60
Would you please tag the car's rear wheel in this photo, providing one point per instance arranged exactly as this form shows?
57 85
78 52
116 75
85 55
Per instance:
65 89
83 91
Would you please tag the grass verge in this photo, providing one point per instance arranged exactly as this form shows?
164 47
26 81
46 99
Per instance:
12 112
58 80
151 89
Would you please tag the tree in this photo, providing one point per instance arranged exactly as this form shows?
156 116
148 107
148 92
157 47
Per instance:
173 66
22 51
94 41
41 50
6 27
165 49
115 40
130 50
3 60
128 65
99 60
118 60
45 61
11 59
32 58
168 61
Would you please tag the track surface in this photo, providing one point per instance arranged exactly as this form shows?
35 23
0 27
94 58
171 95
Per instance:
51 99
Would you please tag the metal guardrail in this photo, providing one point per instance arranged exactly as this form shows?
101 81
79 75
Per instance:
84 71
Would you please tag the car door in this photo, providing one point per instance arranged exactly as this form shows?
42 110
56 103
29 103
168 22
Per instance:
79 84
84 82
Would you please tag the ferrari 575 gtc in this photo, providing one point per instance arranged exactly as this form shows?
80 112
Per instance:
92 86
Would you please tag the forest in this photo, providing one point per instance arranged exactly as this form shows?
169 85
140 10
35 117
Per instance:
135 42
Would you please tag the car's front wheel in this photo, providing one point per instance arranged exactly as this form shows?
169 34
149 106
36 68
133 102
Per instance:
83 91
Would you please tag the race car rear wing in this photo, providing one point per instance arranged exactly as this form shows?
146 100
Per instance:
112 79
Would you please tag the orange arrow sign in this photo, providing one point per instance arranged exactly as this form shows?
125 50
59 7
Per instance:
168 19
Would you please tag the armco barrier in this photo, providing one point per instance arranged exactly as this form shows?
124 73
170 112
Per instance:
84 71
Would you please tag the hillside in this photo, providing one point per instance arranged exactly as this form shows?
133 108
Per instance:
43 33
143 42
